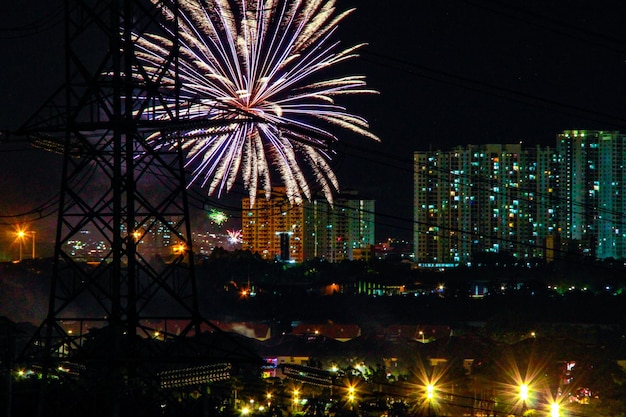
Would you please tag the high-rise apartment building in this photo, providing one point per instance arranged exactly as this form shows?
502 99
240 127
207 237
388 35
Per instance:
526 201
593 190
272 227
488 198
277 229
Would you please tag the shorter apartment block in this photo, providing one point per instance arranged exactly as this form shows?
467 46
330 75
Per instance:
275 228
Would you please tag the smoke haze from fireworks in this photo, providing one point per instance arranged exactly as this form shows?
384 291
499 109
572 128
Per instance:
259 69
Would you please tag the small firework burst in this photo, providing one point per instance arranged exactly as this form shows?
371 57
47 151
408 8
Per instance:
218 217
234 236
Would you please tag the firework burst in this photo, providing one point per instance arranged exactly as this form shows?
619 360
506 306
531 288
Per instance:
234 236
255 72
218 217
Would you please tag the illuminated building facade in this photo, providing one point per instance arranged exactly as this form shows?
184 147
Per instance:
592 194
343 231
272 227
530 202
276 229
487 198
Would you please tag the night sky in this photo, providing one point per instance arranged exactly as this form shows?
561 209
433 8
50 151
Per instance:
448 72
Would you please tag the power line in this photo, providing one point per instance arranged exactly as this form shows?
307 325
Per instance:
578 32
446 77
459 81
35 27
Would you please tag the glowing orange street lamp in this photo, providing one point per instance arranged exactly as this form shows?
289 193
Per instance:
430 391
180 249
295 399
351 393
430 397
21 235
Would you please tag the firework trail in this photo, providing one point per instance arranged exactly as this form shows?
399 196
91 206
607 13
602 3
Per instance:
257 70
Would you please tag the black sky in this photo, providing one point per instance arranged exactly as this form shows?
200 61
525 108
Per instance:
448 72
481 71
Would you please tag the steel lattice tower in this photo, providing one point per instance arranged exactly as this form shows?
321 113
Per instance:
124 318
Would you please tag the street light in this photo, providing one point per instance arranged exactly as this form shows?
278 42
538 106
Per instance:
350 394
422 334
295 400
523 395
430 397
555 410
523 392
20 236
179 249
430 391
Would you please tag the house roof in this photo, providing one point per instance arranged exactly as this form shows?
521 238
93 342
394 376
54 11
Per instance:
331 330
253 330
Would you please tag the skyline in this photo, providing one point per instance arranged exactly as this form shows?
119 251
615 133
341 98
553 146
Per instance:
478 72
139 298
448 74
535 202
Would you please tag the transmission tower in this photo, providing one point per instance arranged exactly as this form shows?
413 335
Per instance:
124 319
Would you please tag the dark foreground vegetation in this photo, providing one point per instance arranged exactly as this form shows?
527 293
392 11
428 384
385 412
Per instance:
561 326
